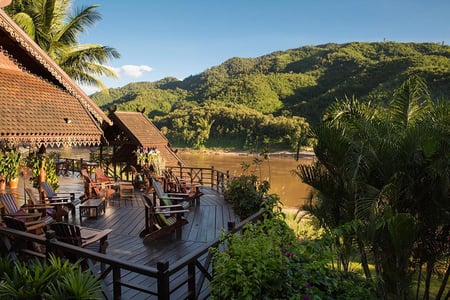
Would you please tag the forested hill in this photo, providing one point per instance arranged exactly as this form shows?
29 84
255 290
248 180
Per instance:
297 82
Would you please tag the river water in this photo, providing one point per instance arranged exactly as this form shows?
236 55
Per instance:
276 169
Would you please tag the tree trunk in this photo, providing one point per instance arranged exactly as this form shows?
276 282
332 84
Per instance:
364 262
444 285
426 292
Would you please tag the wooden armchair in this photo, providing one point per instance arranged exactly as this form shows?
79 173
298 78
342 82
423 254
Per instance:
54 209
84 237
93 189
101 177
22 246
52 197
25 213
174 198
162 220
36 227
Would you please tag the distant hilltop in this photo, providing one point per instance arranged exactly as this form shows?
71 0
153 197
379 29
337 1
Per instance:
271 101
301 82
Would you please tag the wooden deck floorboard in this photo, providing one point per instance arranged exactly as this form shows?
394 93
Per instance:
207 222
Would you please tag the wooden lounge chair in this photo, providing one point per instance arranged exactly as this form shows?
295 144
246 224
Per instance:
52 197
36 227
162 220
93 189
175 198
84 237
25 213
25 247
54 209
101 177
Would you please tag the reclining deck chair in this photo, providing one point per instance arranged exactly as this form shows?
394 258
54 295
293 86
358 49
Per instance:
55 209
25 213
174 198
53 197
162 220
84 237
22 246
101 177
93 189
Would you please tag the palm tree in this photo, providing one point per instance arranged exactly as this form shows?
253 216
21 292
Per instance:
51 25
386 171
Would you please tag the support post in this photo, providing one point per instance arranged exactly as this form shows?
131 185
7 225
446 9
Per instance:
163 280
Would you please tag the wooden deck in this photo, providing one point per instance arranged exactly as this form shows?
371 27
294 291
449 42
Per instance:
207 221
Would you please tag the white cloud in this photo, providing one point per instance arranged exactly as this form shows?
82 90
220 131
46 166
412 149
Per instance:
133 70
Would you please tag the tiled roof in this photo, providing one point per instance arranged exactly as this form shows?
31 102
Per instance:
37 98
33 111
141 132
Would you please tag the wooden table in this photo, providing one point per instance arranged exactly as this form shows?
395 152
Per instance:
97 205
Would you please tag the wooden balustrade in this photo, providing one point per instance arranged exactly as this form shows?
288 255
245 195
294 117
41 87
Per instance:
183 279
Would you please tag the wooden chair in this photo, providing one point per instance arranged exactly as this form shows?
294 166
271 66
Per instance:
52 197
93 189
101 177
174 198
25 213
36 227
162 220
84 237
54 209
26 247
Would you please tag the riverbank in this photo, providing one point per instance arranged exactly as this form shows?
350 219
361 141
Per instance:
304 154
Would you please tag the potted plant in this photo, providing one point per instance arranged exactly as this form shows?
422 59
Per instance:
2 171
12 164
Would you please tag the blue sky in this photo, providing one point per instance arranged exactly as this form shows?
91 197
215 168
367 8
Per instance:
179 38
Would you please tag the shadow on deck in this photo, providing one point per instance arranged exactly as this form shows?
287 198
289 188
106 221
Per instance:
126 218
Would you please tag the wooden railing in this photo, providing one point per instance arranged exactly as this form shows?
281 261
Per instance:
216 179
184 279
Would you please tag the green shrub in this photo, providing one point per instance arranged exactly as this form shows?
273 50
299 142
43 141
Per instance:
247 196
268 262
46 280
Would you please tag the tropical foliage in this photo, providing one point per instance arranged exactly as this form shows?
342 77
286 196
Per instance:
52 279
269 262
381 183
56 29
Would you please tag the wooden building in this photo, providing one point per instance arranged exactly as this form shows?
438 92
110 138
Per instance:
132 131
40 105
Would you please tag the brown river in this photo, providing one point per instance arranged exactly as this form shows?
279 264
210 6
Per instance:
277 170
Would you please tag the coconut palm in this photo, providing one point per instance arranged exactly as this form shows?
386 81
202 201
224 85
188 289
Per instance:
57 31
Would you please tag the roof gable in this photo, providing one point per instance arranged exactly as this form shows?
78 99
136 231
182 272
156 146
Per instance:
135 128
39 103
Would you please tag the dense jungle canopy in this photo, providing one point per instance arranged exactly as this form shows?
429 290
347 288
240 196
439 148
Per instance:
272 99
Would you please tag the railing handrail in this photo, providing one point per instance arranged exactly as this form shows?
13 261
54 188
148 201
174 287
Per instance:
162 273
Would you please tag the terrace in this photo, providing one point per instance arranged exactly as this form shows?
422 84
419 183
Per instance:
166 268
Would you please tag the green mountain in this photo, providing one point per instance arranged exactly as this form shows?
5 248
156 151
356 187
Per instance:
299 83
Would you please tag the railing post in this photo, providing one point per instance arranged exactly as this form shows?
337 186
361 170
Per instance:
117 287
191 281
212 177
163 280
50 236
231 225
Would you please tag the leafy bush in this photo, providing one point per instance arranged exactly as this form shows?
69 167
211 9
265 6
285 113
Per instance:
268 262
247 196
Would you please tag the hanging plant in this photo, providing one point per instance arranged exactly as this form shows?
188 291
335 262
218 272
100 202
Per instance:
150 158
